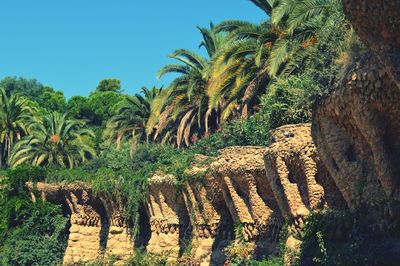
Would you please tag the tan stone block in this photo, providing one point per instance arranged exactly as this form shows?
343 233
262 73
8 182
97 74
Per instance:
74 237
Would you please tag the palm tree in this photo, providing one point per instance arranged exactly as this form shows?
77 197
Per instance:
235 86
299 21
55 141
184 110
15 116
257 53
131 118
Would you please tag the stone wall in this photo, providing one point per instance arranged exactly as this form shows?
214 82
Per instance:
356 130
255 188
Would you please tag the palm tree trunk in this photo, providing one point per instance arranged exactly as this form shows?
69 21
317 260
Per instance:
261 80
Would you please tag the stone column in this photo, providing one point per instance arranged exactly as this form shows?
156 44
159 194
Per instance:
119 240
84 238
241 175
292 170
164 205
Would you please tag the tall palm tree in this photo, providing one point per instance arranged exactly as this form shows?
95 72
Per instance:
15 116
184 111
257 53
55 141
245 75
130 120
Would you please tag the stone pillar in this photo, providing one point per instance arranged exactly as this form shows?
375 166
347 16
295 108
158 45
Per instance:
201 201
84 238
164 207
291 163
240 172
119 240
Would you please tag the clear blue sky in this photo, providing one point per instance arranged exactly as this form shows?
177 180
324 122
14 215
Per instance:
72 44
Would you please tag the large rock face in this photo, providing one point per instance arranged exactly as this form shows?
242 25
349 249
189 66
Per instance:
356 130
377 22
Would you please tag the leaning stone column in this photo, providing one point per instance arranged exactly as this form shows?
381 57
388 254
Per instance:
164 206
298 179
240 172
206 208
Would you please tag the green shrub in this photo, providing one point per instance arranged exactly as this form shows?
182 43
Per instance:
253 131
145 259
30 233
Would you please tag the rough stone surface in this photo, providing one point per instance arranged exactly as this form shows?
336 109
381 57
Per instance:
241 173
84 240
168 217
377 22
298 179
119 240
356 131
209 216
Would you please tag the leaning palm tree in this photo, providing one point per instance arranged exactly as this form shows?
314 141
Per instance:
15 116
55 142
130 120
240 72
184 112
299 21
257 53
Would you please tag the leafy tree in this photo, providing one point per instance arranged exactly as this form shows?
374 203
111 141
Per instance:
26 87
15 117
104 104
55 141
131 118
109 85
78 108
51 100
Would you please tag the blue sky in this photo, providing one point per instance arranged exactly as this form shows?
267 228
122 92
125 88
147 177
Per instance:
72 44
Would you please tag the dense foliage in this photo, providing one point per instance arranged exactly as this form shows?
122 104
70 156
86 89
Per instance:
31 233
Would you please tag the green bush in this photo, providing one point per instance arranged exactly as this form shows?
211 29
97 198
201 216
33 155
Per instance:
253 131
288 101
145 259
30 233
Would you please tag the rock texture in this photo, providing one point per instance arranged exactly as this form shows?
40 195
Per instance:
356 130
98 227
84 238
210 219
299 180
168 217
119 240
377 22
240 173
